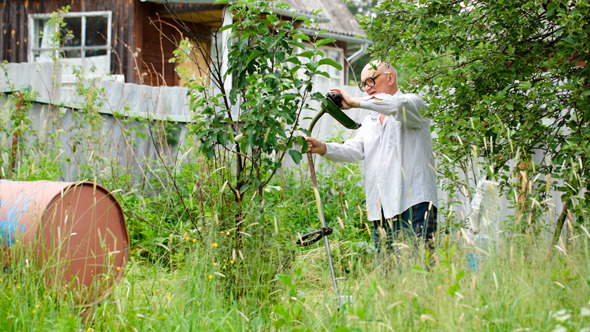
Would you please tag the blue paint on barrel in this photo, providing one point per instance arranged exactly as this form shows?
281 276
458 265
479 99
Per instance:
9 225
472 262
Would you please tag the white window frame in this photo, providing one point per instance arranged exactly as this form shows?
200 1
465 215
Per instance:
82 60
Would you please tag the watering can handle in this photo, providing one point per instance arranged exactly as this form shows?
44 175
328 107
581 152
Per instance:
332 106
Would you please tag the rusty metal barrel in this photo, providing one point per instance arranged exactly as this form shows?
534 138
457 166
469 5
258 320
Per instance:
74 231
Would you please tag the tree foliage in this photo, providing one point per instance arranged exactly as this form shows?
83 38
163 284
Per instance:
361 7
255 123
505 80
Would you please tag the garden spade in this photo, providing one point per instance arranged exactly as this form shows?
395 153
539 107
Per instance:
331 106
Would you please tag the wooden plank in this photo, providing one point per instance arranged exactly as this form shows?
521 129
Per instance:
159 41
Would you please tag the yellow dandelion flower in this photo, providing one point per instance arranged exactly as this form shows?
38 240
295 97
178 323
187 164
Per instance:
221 232
194 240
37 306
210 276
227 233
214 263
214 245
18 287
231 262
34 311
187 238
223 267
118 268
169 298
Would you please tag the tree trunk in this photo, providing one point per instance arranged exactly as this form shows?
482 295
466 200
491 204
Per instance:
560 222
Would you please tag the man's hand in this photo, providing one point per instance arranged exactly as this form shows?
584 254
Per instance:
347 100
315 145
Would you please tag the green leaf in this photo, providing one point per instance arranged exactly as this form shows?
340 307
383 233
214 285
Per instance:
280 56
280 309
296 309
307 54
324 41
226 27
296 43
302 142
460 275
295 155
300 36
330 62
253 55
312 65
244 188
361 312
279 322
293 60
323 73
285 279
301 18
419 269
453 289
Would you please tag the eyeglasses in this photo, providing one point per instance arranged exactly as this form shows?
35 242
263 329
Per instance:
370 82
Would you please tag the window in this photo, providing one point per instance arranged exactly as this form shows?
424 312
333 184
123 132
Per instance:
85 39
336 79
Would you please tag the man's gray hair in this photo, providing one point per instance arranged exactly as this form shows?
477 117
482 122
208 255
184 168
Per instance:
385 66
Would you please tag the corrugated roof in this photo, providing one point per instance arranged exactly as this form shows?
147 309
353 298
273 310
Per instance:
341 20
334 15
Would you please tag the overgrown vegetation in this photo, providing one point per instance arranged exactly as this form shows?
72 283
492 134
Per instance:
508 83
198 261
252 123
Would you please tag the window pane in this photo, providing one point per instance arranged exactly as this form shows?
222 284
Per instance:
90 53
43 33
71 34
71 54
96 30
39 26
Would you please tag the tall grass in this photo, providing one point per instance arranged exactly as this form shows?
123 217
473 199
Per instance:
525 287
176 282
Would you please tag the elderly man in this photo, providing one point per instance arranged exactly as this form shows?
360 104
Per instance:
395 144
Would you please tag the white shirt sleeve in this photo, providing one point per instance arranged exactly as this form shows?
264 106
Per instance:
351 150
404 108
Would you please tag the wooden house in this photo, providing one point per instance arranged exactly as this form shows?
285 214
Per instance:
135 39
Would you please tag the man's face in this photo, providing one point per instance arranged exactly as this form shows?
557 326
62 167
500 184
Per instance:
375 81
